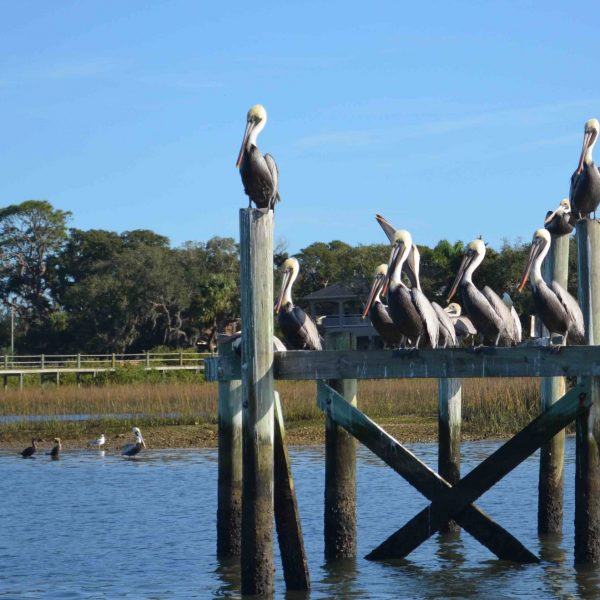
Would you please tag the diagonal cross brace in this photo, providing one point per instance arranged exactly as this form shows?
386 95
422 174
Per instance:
452 502
419 475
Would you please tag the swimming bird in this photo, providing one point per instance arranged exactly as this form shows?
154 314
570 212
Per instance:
410 310
30 450
98 442
298 328
378 311
136 448
260 175
490 316
463 327
560 221
557 309
585 181
55 452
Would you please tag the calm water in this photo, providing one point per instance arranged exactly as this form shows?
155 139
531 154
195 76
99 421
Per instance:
93 526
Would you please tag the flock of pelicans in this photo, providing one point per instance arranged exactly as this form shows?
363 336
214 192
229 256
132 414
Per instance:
129 450
409 318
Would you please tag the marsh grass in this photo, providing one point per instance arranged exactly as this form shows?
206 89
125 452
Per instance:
491 407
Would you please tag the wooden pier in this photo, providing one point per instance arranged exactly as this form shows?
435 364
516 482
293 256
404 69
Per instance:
267 472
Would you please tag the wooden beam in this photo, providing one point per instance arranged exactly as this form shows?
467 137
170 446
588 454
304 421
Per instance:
449 503
552 453
287 516
340 468
587 439
418 474
521 361
256 265
229 498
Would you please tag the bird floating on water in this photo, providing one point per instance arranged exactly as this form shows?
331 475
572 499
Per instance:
260 175
135 448
298 328
30 450
98 442
55 452
560 221
557 309
585 181
490 316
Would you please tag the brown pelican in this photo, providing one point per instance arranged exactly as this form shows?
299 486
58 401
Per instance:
378 312
98 442
561 220
236 339
463 327
410 310
55 452
136 448
486 310
259 173
585 181
30 450
298 328
557 309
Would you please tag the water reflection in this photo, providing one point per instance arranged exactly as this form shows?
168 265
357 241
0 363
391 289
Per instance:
228 573
588 582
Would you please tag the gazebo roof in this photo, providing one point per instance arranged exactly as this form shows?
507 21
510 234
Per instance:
332 292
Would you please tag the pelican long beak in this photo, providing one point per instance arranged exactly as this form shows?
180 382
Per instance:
535 250
249 127
561 210
387 227
143 442
461 271
395 254
587 138
376 288
284 283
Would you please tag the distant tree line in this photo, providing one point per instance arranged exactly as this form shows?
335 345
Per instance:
100 291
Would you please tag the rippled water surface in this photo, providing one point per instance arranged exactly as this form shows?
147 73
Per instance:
99 526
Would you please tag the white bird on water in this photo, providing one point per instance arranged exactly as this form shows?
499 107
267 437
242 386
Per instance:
136 448
98 442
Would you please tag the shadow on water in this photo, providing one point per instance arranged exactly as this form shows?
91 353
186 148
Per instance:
340 577
228 574
587 580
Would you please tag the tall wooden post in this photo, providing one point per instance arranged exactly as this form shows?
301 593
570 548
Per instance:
449 420
587 470
340 468
229 501
256 263
552 454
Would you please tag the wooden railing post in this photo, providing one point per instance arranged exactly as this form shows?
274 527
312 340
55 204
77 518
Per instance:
147 360
340 468
256 265
113 362
552 454
449 421
587 470
229 501
78 360
43 361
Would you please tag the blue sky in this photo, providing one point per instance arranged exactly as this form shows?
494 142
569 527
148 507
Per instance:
451 119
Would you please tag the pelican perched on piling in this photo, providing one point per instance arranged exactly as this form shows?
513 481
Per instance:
260 175
378 311
410 310
135 448
98 442
561 220
585 181
489 314
55 452
518 328
298 328
30 450
557 309
463 327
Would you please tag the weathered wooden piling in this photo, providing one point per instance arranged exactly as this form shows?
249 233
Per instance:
256 264
340 468
552 454
587 471
229 502
287 517
449 420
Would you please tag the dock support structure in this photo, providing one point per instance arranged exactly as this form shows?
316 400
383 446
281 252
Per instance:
229 501
449 419
256 264
552 454
340 467
587 471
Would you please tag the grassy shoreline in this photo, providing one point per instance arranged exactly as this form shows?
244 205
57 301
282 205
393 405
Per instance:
180 414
